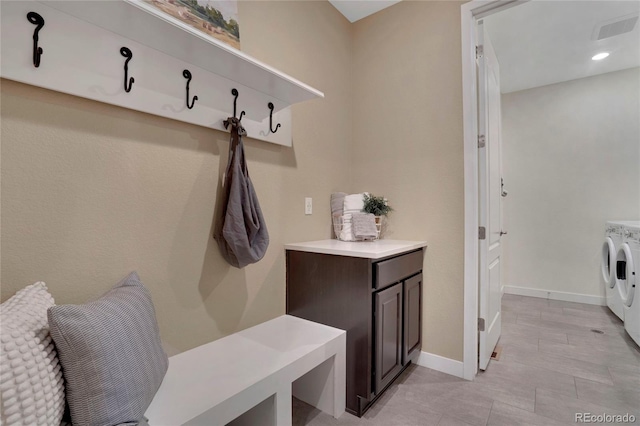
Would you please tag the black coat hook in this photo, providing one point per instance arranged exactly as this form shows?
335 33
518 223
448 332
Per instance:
271 107
126 52
187 75
235 121
234 92
36 19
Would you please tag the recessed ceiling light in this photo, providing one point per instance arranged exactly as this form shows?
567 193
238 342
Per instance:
600 56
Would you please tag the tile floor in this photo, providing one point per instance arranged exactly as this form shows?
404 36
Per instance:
552 366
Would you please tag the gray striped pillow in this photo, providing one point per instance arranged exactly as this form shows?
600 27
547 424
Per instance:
111 354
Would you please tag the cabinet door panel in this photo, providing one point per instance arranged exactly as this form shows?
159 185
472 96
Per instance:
388 335
412 317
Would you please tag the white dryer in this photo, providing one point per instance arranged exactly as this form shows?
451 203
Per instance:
627 270
612 241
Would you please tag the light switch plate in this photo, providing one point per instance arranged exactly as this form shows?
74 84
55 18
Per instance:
308 205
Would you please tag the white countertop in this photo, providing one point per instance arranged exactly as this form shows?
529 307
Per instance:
367 249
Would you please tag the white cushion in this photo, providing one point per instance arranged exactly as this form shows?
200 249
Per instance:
31 383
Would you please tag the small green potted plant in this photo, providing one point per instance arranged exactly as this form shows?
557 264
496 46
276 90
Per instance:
379 207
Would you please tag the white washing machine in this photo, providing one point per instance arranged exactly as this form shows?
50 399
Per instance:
627 270
612 241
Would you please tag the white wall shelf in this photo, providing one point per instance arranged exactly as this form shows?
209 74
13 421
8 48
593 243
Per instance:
81 43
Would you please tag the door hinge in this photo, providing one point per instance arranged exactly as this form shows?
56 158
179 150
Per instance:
480 324
482 142
482 233
479 51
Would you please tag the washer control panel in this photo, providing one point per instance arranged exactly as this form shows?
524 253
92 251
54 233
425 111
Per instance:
615 230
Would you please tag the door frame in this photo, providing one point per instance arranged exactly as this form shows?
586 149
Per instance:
471 12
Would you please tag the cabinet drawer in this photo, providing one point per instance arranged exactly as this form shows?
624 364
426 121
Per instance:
393 270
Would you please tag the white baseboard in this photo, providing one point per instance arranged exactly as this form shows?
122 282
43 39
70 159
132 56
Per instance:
555 295
440 363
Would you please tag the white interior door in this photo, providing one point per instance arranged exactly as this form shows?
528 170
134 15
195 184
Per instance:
489 169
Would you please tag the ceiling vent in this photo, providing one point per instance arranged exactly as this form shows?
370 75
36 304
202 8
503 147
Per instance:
615 27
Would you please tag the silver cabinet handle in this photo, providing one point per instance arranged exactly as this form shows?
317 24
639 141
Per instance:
502 233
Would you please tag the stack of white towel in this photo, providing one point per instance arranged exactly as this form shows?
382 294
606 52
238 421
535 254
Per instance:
356 225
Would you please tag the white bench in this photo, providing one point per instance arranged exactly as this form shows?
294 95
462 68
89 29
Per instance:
216 383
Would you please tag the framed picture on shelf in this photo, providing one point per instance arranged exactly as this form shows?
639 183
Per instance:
215 18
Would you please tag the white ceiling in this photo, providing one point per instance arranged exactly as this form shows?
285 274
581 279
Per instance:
354 10
544 42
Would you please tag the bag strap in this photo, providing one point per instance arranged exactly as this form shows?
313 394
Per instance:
243 160
235 141
232 143
236 146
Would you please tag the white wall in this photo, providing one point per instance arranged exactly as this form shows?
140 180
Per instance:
571 161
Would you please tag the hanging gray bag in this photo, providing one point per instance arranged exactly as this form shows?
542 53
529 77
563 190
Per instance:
239 228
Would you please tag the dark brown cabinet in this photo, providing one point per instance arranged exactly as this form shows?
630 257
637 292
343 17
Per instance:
377 301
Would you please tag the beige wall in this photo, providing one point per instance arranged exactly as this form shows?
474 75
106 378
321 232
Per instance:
91 191
570 157
408 146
